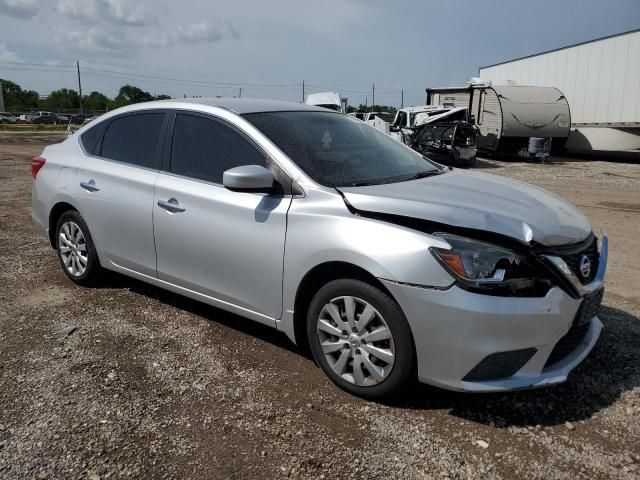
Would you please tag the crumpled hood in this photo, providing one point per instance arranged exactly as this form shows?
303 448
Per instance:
480 201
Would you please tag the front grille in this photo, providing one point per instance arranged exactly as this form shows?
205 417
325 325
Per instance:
573 261
567 344
499 365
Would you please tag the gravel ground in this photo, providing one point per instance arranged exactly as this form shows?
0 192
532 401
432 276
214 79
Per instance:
152 385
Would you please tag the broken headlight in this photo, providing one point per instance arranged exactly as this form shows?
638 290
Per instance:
486 267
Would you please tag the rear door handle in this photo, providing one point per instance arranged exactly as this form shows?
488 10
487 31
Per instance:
171 205
90 186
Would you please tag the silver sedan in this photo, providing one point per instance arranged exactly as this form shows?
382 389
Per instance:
387 266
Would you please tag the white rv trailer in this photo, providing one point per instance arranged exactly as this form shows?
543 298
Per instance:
507 117
600 79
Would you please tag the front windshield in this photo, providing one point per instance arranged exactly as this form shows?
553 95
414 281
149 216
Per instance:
337 151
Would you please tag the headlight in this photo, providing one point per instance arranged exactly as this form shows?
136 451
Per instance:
486 266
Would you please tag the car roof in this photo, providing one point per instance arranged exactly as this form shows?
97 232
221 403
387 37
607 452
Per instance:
248 105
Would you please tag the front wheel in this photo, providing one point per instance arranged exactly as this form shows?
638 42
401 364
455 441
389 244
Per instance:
361 339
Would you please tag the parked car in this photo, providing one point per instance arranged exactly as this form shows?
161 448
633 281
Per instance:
79 118
385 264
25 117
49 119
6 117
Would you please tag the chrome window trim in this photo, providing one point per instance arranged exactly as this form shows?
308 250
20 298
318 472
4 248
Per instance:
164 111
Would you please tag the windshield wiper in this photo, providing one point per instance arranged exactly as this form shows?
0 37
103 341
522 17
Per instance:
425 174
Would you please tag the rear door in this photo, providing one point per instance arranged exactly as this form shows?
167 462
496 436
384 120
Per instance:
225 244
116 185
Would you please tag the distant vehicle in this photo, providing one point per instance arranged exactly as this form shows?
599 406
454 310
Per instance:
79 118
386 265
369 117
442 133
49 119
25 117
6 117
330 100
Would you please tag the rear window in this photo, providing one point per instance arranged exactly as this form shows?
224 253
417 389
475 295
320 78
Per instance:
134 139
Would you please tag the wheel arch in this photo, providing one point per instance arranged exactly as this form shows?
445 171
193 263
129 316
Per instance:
54 215
313 280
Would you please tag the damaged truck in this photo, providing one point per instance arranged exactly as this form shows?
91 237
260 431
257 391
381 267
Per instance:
441 133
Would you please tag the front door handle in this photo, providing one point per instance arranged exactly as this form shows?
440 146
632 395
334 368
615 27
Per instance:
171 205
90 186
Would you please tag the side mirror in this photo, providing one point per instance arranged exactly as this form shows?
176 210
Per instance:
248 177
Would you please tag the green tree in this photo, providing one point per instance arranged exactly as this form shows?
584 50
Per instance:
163 97
15 98
129 94
63 99
96 102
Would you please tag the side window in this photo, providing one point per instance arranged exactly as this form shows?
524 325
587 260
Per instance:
134 139
402 119
92 138
204 148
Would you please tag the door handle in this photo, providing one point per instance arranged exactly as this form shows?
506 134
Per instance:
90 186
171 205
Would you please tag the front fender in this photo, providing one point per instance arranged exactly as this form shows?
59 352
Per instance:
321 229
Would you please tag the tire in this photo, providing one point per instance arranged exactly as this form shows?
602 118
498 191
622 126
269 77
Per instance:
373 378
84 269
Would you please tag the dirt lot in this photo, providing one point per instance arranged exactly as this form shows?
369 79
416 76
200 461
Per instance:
152 385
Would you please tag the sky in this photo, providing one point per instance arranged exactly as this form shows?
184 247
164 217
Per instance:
268 48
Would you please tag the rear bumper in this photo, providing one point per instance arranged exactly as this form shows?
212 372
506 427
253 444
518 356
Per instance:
454 330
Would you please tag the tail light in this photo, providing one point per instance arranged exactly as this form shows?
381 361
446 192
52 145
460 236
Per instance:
36 164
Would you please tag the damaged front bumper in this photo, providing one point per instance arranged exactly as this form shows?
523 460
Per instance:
472 342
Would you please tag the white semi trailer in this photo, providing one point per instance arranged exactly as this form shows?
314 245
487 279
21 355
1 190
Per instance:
601 81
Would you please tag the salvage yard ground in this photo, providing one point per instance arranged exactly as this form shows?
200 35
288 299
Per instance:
152 385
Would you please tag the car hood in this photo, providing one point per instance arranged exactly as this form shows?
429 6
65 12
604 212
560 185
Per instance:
479 201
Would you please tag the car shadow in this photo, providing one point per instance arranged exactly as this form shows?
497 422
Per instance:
612 368
230 320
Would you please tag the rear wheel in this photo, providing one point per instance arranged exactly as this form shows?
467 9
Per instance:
360 338
76 251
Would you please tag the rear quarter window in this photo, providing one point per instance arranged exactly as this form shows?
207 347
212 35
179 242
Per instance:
92 138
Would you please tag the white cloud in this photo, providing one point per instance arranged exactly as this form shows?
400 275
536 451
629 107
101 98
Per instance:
20 8
91 40
202 32
7 55
110 10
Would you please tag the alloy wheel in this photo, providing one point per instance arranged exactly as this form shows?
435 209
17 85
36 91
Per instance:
356 341
73 249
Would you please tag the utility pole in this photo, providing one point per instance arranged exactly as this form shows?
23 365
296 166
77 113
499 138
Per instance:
79 85
240 94
373 96
1 98
302 91
402 98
